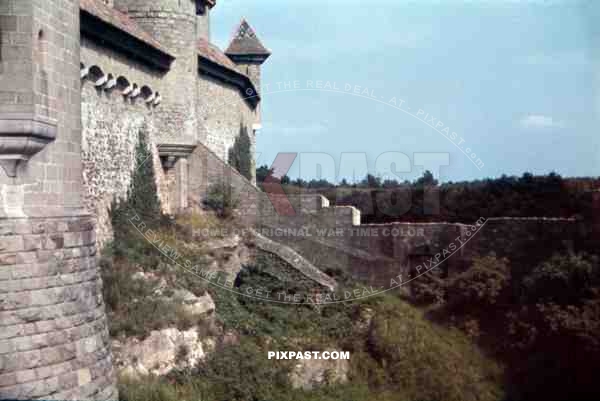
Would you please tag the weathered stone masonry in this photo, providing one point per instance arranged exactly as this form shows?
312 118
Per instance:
53 333
80 81
148 68
375 253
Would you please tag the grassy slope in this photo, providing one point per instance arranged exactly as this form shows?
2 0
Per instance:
399 356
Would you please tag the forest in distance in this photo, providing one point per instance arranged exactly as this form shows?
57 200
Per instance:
427 200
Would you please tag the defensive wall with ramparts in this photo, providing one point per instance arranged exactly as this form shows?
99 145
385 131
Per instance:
333 238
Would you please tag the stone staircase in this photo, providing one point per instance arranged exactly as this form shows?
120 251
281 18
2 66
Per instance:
295 260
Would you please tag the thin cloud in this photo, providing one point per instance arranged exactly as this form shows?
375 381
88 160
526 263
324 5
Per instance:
538 121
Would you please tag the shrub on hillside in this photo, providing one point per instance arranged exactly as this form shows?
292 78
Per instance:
132 308
221 197
424 362
481 285
563 279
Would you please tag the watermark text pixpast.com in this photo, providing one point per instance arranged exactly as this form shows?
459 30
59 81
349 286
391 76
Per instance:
308 355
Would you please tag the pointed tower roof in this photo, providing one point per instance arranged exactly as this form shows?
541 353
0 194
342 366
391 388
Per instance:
246 45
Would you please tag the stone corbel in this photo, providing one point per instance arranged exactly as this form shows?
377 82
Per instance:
135 92
127 90
111 83
21 138
101 81
150 99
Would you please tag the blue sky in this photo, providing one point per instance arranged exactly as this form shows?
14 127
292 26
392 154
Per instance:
518 82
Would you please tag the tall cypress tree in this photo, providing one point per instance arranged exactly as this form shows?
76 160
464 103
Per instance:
142 195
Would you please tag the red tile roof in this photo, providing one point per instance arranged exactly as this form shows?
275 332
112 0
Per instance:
119 20
245 42
214 54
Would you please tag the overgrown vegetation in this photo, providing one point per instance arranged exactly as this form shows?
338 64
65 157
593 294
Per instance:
544 325
133 307
541 322
395 353
222 198
425 199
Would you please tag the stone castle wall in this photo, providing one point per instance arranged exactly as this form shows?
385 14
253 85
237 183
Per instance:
224 117
332 238
375 253
173 24
111 124
57 83
37 56
210 170
53 332
111 127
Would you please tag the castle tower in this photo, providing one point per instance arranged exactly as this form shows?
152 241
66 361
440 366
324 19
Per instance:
173 23
177 25
203 8
54 341
247 52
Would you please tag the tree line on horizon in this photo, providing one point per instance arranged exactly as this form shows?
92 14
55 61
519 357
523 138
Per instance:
426 199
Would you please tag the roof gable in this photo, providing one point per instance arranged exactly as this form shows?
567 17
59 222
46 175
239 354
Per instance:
245 42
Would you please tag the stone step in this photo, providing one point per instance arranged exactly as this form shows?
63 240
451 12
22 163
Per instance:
295 260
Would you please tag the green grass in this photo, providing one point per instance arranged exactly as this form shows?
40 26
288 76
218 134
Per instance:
400 356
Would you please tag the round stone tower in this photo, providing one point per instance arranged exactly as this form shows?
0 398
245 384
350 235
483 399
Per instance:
173 23
54 342
203 18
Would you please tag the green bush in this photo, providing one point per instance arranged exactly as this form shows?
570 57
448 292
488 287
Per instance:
132 308
222 198
424 362
482 284
563 279
243 372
